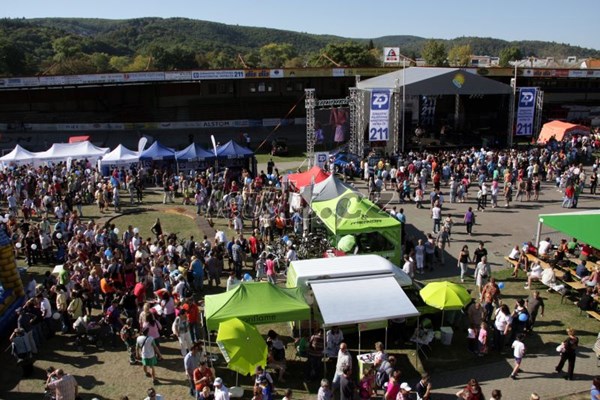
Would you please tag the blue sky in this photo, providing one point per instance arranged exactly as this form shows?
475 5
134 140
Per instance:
552 20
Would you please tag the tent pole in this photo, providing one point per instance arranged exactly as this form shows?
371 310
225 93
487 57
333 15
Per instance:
237 374
325 354
417 342
538 233
359 334
386 337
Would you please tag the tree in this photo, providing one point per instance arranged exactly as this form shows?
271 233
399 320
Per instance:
509 54
101 61
12 59
66 47
119 63
460 56
275 55
349 54
434 53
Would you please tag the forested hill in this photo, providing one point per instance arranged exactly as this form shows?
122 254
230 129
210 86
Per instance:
78 45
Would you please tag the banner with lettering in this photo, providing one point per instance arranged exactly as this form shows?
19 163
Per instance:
379 121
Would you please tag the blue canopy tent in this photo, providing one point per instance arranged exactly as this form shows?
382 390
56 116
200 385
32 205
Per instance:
157 155
233 155
194 153
157 152
194 157
232 150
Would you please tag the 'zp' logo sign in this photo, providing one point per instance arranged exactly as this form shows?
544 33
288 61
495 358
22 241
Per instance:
380 100
527 98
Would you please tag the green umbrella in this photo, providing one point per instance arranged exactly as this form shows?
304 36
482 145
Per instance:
242 346
445 296
346 243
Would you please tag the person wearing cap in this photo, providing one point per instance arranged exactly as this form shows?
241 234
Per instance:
404 391
152 395
221 391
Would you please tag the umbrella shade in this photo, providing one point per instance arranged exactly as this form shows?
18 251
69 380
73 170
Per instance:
445 295
242 346
346 243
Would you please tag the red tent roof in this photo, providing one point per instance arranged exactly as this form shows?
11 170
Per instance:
302 179
559 130
76 139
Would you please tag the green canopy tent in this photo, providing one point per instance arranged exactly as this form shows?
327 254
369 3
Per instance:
256 303
352 214
582 225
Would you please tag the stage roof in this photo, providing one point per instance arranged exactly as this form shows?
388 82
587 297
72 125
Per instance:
427 81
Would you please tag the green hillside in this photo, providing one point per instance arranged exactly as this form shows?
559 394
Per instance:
83 45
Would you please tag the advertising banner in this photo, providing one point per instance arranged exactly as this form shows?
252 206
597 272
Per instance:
391 55
219 74
380 115
526 111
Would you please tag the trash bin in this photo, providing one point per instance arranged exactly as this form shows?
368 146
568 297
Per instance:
446 335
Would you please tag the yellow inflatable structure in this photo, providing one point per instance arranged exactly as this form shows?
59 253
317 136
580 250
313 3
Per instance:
13 293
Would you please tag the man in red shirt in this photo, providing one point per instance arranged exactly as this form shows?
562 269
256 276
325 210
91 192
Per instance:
203 376
193 314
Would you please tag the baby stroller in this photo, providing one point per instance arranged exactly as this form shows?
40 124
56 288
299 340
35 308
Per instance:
88 332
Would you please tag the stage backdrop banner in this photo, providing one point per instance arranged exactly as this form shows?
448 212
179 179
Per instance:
380 115
526 111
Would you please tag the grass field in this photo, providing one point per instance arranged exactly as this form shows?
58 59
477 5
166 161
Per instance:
105 373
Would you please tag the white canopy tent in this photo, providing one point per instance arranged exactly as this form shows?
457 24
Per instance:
121 155
303 271
370 299
76 151
18 156
366 302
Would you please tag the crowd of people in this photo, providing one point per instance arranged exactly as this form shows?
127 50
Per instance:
144 287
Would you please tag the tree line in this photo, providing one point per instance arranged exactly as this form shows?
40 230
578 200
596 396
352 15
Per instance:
50 46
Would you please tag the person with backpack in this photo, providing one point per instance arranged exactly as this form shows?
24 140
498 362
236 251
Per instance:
128 336
148 352
181 329
385 372
112 317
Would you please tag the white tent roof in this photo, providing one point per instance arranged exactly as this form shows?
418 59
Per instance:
120 155
79 150
345 267
371 299
436 81
18 155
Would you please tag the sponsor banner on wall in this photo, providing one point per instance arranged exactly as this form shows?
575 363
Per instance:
178 75
380 115
218 74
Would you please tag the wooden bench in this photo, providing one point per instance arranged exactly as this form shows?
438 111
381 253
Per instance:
594 314
559 273
510 261
575 286
534 259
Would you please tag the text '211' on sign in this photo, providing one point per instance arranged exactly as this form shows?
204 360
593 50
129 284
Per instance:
526 111
380 115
